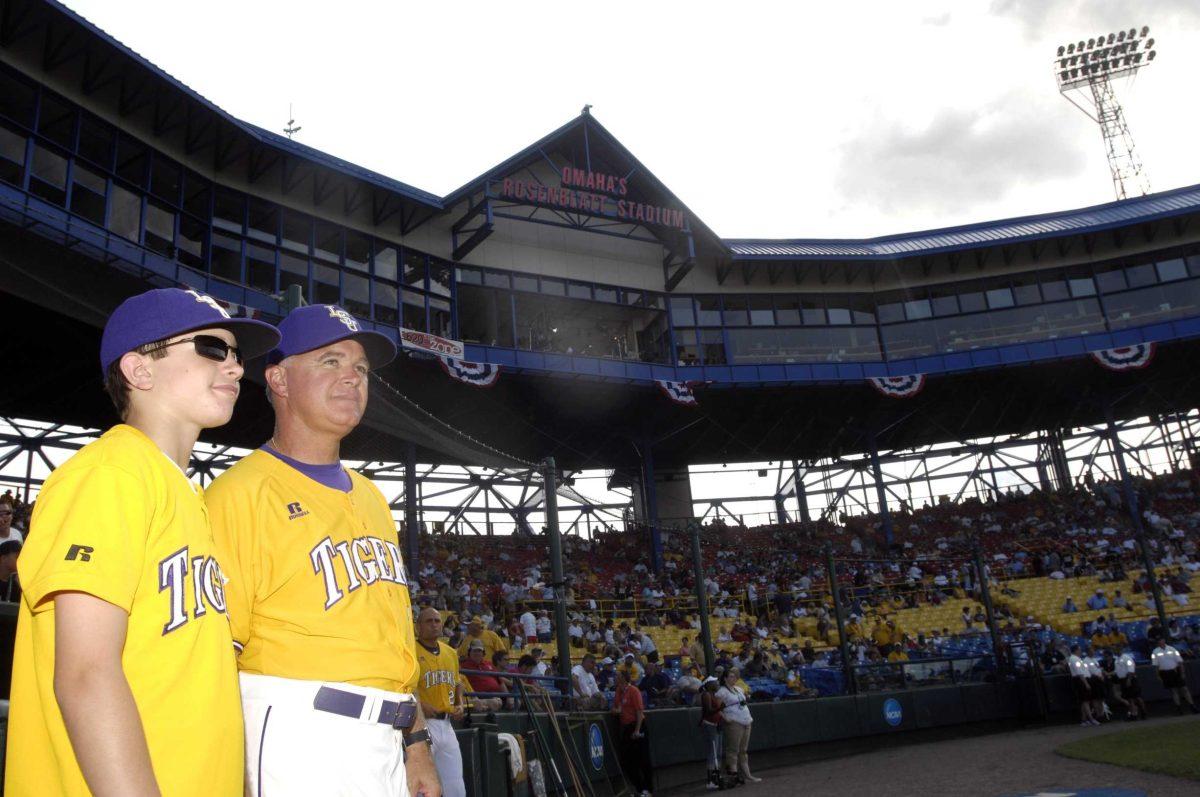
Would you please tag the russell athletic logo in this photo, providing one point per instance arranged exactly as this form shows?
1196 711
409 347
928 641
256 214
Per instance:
892 713
596 746
295 510
80 553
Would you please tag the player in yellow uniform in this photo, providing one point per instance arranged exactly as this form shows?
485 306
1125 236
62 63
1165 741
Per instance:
476 630
124 680
318 592
441 701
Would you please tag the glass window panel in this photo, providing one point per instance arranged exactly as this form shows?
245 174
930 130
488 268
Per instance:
87 194
439 277
944 305
325 274
48 177
16 99
262 220
973 302
712 346
606 294
525 283
124 213
1193 262
554 287
293 270
189 243
1055 290
708 311
890 312
999 298
762 313
386 304
471 276
12 156
356 295
57 121
165 179
736 313
1111 280
1027 294
385 260
358 253
683 312
495 279
296 231
577 290
95 141
787 310
260 267
132 161
1082 286
226 257
414 272
1139 276
812 311
1169 270
412 313
229 210
838 315
325 294
197 196
160 228
686 350
633 298
1154 303
917 309
439 317
327 243
910 340
485 316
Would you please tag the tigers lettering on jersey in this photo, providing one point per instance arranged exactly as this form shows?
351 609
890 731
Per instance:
208 586
439 677
365 561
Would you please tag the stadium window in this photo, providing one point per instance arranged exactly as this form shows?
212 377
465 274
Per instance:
554 287
87 194
1082 286
917 309
56 121
812 312
838 315
754 345
385 261
761 312
385 304
632 298
485 316
414 273
1193 262
262 221
1174 269
16 99
606 294
525 283
229 211
999 298
712 343
197 196
439 317
578 290
1027 294
48 176
890 312
736 313
708 311
683 312
356 295
293 270
1111 280
787 310
1055 290
189 244
439 277
358 254
124 213
260 267
96 143
226 258
685 347
944 305
1141 275
495 279
325 284
470 276
160 229
327 244
863 308
296 231
12 157
973 302
132 162
165 179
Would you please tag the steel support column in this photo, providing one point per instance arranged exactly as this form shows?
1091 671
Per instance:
412 518
801 493
885 515
650 498
839 617
550 479
702 601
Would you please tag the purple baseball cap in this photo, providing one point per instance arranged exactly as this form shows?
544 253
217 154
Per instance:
316 325
165 312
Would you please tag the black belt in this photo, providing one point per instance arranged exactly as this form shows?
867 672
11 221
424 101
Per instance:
350 704
438 715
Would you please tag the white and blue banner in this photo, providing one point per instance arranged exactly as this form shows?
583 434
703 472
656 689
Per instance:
1125 358
898 386
473 374
678 392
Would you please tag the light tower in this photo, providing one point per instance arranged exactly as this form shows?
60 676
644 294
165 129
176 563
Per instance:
1085 71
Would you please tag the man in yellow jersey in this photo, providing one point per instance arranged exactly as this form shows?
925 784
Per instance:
318 592
124 681
438 692
476 630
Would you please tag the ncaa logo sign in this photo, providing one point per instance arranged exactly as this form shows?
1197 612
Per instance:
892 713
596 746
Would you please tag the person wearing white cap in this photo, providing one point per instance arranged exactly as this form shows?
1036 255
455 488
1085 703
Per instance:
711 721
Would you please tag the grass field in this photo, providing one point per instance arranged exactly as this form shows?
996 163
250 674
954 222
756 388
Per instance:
1169 749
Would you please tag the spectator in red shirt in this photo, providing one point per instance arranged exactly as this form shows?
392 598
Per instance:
483 683
635 748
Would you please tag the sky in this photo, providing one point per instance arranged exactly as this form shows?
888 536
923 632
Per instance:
769 120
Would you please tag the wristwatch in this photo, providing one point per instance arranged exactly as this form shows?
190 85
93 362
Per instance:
416 737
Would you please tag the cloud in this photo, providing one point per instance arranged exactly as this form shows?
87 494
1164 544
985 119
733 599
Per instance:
1084 17
939 21
963 158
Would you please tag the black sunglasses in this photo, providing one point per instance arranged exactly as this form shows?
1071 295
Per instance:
210 347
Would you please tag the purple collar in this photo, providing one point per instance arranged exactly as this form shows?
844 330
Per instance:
333 476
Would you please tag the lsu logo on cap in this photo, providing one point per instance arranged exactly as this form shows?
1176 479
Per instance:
344 317
204 298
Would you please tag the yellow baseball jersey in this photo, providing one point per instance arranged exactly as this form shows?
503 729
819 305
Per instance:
120 521
318 590
439 676
491 643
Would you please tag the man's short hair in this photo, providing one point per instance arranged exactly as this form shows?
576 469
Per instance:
117 386
9 547
499 654
526 661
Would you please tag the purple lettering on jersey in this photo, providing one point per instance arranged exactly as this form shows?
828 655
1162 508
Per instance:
332 476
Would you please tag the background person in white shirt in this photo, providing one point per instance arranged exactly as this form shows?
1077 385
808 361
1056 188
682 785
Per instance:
1127 687
1169 664
737 727
583 685
1081 686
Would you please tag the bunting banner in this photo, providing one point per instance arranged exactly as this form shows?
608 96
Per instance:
678 392
898 386
1125 358
473 374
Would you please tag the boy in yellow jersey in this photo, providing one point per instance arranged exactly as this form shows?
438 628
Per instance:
439 696
318 592
124 680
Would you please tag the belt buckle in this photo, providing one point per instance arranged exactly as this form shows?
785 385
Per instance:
406 715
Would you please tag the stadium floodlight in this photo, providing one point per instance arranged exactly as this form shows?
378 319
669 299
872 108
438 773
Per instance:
1085 71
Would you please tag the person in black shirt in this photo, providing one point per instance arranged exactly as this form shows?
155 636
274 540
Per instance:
655 683
10 587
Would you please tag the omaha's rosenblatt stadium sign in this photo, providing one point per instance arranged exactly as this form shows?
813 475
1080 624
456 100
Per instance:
595 193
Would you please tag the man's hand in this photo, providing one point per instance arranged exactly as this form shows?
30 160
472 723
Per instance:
421 772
